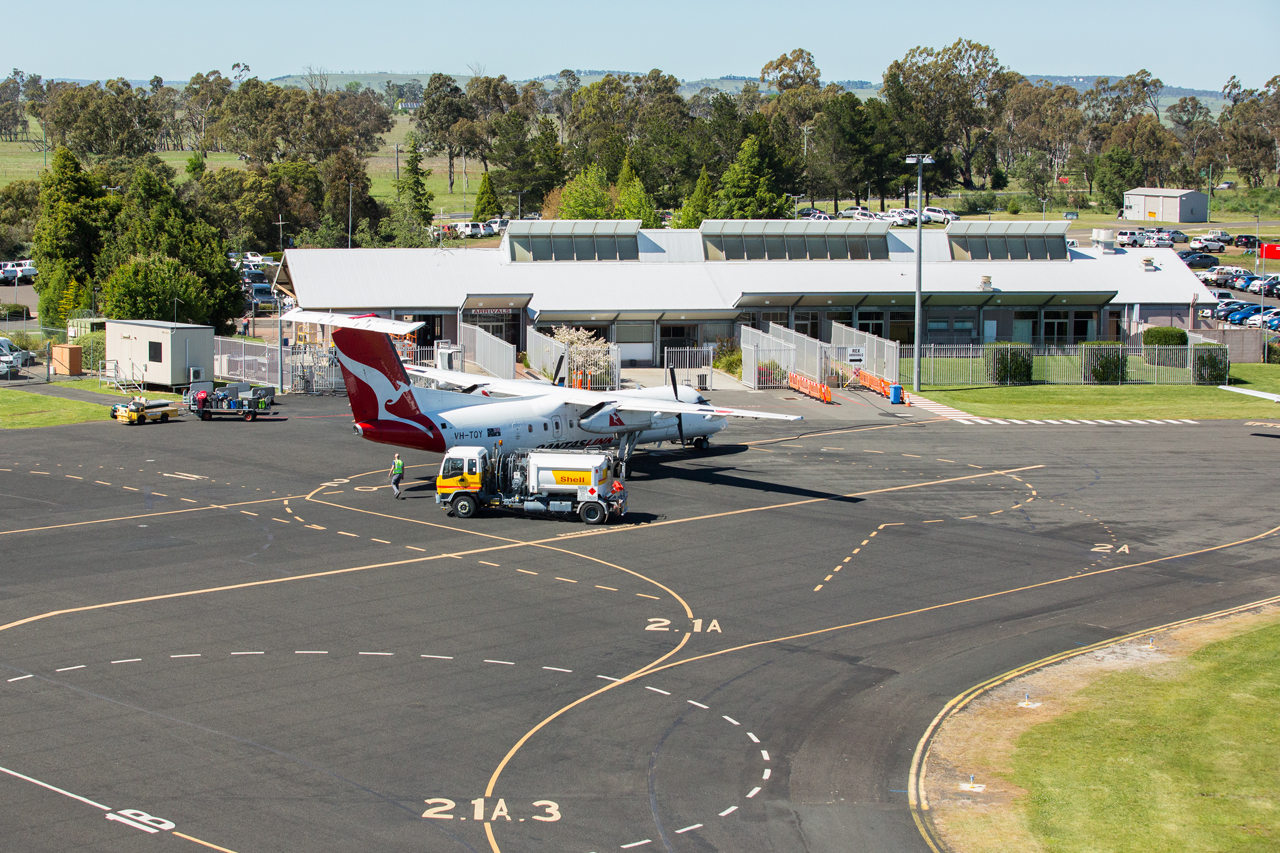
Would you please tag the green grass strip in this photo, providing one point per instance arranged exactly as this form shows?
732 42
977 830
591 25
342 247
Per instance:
1182 758
24 410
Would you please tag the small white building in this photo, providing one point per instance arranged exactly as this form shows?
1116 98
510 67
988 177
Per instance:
1152 204
159 353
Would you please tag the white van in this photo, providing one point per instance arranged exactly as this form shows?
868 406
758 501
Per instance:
1131 239
14 354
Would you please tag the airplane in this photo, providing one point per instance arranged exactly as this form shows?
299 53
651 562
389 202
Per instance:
389 409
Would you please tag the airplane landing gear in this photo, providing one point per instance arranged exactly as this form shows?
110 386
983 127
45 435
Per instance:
701 443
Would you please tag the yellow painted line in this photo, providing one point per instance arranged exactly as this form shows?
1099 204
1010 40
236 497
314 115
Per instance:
654 597
189 500
160 494
847 559
872 451
827 578
890 524
799 446
997 512
963 517
818 587
610 588
130 488
952 461
286 509
570 580
911 456
72 477
318 527
246 512
206 843
99 482
762 450
340 532
332 493
975 466
486 563
526 571
415 548
934 521
383 541
873 533
281 520
46 473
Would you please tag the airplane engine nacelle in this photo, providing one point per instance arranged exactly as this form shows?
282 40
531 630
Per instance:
400 435
609 421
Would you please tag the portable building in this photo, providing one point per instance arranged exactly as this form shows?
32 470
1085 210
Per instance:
159 353
1152 204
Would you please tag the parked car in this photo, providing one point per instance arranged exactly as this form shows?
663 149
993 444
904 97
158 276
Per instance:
1246 241
1220 236
1200 261
248 278
893 217
819 217
806 212
1226 309
1271 289
1129 238
939 214
852 212
1157 240
532 216
498 225
1178 237
16 354
1274 324
1204 244
1263 317
9 272
1237 318
909 214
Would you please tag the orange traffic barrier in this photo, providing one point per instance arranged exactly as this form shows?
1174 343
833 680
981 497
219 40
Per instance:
808 387
879 385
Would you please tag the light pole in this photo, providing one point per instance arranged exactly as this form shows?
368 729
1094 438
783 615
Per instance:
351 189
1044 203
795 205
919 160
520 203
281 222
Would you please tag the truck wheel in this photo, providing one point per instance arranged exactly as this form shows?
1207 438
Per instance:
164 417
206 416
253 416
142 419
248 416
592 512
464 506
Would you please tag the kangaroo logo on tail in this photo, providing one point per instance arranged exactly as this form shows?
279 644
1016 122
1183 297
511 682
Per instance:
382 400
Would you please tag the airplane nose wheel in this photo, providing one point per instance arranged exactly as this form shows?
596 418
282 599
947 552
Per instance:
701 443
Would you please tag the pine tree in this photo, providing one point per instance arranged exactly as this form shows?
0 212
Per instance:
626 174
697 206
746 188
412 187
487 206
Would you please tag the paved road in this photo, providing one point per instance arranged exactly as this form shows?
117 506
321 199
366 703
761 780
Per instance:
229 633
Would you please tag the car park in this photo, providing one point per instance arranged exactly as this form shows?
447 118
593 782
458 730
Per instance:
1262 317
1226 309
1246 241
1237 318
1205 244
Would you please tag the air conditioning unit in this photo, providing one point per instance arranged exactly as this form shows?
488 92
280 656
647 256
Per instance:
197 374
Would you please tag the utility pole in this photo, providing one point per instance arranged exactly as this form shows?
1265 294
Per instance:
919 160
282 224
351 189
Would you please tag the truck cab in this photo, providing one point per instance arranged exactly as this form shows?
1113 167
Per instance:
462 470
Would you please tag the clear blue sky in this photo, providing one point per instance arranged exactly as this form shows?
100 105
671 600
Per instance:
1174 40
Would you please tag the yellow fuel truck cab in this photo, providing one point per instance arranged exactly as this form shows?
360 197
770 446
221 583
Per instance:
461 470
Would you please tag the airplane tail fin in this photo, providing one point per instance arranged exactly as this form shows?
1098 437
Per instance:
381 396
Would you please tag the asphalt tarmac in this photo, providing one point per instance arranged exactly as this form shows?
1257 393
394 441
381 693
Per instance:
228 636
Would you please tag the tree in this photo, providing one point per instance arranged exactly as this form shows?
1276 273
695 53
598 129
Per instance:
110 120
697 206
1118 172
587 196
412 190
634 203
486 206
1248 140
791 71
73 211
444 105
747 188
960 90
146 287
346 188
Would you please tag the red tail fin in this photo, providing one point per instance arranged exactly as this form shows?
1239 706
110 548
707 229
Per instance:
381 396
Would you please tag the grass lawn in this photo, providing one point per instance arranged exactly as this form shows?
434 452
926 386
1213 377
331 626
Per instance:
1041 402
107 390
1181 758
22 410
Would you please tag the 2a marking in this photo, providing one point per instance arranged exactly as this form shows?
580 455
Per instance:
1104 548
440 808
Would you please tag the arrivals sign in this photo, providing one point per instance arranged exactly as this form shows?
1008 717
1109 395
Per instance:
857 355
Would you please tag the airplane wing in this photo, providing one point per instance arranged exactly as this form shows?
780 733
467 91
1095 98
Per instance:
475 382
666 408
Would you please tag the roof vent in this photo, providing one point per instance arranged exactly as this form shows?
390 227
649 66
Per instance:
1149 264
1105 239
985 286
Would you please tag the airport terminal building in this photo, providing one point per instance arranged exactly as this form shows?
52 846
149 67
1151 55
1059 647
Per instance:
649 289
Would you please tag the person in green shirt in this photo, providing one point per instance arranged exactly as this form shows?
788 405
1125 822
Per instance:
396 474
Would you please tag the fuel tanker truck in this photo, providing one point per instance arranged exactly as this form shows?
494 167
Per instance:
566 482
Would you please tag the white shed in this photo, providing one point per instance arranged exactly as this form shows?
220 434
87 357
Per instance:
159 353
1152 204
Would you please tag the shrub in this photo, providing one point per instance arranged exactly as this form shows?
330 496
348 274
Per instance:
770 373
1103 362
1212 365
1164 336
14 311
1273 353
1008 363
1013 207
978 202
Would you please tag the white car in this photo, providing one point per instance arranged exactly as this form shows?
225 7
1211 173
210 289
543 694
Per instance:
819 217
1258 319
893 218
498 225
852 212
253 257
1157 240
939 214
9 271
907 215
1204 244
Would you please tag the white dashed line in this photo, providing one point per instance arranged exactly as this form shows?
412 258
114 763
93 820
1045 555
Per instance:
733 721
754 791
69 668
698 705
383 541
754 739
767 773
503 662
379 654
607 678
311 653
184 656
19 678
248 653
437 657
18 775
764 753
728 811
557 669
689 828
656 690
412 548
635 844
128 660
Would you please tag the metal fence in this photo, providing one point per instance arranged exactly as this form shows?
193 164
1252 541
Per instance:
767 366
880 356
238 360
597 367
692 365
313 369
488 352
809 352
1095 364
544 354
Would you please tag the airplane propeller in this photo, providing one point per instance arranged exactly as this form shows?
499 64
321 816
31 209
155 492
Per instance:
555 376
675 389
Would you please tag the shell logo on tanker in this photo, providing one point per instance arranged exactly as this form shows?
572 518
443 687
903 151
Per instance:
572 478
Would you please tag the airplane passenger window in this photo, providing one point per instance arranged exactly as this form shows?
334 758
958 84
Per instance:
544 426
530 427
